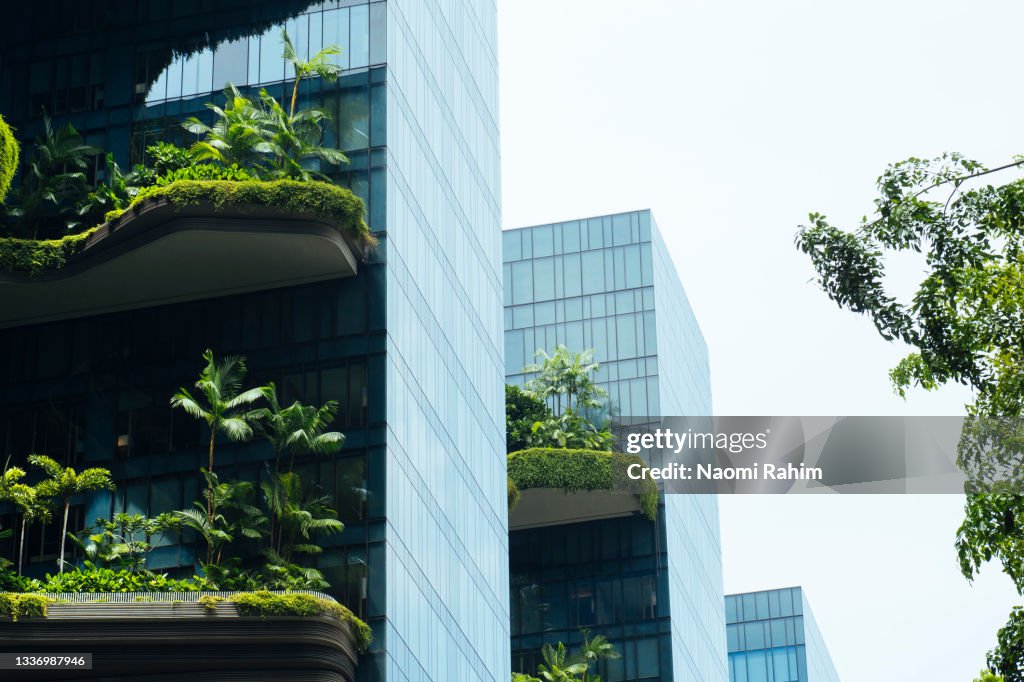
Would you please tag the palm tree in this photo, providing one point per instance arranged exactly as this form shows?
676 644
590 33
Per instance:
297 429
557 666
239 135
56 180
295 137
34 506
220 384
297 517
318 65
594 650
63 484
227 516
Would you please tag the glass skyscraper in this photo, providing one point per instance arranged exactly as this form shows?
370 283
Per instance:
773 637
655 589
411 346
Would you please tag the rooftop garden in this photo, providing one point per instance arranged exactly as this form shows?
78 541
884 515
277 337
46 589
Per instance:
252 538
558 433
258 153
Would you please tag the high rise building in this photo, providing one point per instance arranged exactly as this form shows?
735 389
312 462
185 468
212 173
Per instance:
773 637
653 588
409 341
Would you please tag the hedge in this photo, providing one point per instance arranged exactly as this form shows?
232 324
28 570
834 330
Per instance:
8 157
265 604
320 199
575 470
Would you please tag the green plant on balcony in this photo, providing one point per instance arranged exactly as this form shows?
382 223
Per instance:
575 470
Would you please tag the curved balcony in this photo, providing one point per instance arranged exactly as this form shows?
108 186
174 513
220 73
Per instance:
160 253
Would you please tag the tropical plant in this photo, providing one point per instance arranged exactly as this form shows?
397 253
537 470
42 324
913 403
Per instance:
564 383
168 158
62 484
224 514
238 135
295 138
34 506
564 380
123 541
297 429
559 666
522 411
9 153
298 517
594 649
224 404
318 65
116 193
47 200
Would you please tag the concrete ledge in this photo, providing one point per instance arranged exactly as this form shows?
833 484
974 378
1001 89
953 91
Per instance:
163 254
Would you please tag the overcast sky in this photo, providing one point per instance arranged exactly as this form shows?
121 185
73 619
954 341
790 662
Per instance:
732 121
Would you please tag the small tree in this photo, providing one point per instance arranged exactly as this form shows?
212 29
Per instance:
63 484
298 428
318 65
34 506
225 403
559 666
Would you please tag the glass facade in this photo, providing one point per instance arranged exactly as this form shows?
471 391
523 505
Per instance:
773 637
655 590
411 347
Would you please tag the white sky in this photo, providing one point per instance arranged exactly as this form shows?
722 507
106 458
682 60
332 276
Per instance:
731 121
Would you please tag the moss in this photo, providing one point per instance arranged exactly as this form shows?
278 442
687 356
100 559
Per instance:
296 604
319 199
9 151
23 605
576 470
34 256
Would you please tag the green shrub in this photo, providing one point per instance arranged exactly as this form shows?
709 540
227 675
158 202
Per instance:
92 579
12 582
205 171
318 199
23 605
210 601
575 470
9 151
265 604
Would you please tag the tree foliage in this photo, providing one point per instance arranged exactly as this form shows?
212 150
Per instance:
965 323
522 411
